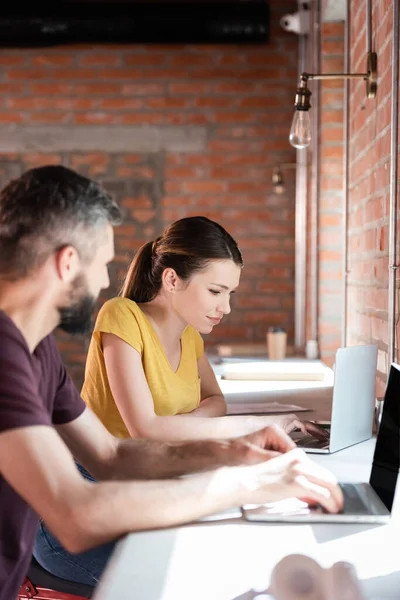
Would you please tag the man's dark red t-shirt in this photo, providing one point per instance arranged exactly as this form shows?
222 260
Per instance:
35 389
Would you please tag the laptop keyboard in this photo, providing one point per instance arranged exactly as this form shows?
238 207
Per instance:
353 501
308 441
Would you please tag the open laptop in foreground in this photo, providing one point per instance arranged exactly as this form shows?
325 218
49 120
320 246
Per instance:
363 502
353 402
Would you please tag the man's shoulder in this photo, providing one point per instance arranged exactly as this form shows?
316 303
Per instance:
12 340
48 354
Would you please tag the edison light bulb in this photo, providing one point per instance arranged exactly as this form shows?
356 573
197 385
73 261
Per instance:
300 131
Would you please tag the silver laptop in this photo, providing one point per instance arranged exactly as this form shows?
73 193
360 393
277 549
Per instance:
363 502
353 402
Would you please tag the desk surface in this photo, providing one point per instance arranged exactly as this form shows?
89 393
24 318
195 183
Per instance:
233 560
314 395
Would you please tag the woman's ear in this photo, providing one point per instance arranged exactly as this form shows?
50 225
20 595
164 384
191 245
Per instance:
170 280
68 263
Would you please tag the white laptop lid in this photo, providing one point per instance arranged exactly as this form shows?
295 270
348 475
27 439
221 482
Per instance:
353 399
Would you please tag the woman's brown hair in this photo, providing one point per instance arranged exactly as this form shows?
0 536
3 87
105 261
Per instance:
187 246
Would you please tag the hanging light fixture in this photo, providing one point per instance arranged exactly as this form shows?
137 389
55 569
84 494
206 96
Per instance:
277 177
300 131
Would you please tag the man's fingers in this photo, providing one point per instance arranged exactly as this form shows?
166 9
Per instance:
315 494
284 462
324 480
277 439
256 455
272 437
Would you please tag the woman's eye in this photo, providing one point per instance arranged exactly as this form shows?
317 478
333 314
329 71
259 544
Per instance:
215 292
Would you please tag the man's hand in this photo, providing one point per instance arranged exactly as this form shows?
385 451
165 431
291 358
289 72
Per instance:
291 475
291 422
262 445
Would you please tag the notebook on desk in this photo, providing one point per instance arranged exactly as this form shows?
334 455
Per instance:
370 502
263 408
353 402
270 370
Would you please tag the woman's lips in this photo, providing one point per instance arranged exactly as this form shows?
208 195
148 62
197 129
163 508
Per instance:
214 320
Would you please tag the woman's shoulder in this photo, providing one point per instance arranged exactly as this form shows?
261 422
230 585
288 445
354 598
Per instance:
123 318
119 305
119 309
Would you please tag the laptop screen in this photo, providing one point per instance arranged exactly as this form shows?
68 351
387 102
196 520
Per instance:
386 462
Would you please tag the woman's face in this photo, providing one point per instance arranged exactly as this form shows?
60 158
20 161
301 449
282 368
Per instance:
205 299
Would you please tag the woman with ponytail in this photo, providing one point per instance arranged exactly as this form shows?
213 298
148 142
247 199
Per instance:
146 373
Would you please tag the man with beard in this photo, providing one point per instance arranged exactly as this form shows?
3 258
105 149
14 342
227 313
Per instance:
56 239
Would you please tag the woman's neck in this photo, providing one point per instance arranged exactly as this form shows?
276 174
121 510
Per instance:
167 324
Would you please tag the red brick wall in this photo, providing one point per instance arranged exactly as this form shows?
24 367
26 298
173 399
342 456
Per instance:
329 253
331 193
241 95
370 186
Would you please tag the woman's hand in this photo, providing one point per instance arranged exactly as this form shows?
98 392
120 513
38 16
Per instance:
292 422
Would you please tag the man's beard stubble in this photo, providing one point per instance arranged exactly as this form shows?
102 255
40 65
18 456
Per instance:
76 318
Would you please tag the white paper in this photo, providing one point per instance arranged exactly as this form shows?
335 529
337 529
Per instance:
264 408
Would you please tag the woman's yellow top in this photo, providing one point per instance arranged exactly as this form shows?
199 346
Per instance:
174 392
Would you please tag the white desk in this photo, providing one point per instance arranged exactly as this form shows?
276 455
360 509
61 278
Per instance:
233 560
313 395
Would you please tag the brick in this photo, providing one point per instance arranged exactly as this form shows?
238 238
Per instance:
11 88
141 89
141 60
135 202
189 60
164 102
48 117
214 102
51 60
263 302
10 117
120 104
230 59
230 332
204 186
34 159
12 60
266 317
188 88
40 103
260 102
100 118
235 87
331 46
183 173
27 74
100 60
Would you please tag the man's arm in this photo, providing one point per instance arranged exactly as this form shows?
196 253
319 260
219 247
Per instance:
107 457
38 465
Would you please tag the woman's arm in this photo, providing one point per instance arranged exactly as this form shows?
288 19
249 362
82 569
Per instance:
212 402
132 395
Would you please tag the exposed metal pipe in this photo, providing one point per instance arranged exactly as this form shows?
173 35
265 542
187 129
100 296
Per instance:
369 26
315 173
393 204
300 227
346 164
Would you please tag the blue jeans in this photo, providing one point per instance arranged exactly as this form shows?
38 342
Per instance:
85 567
